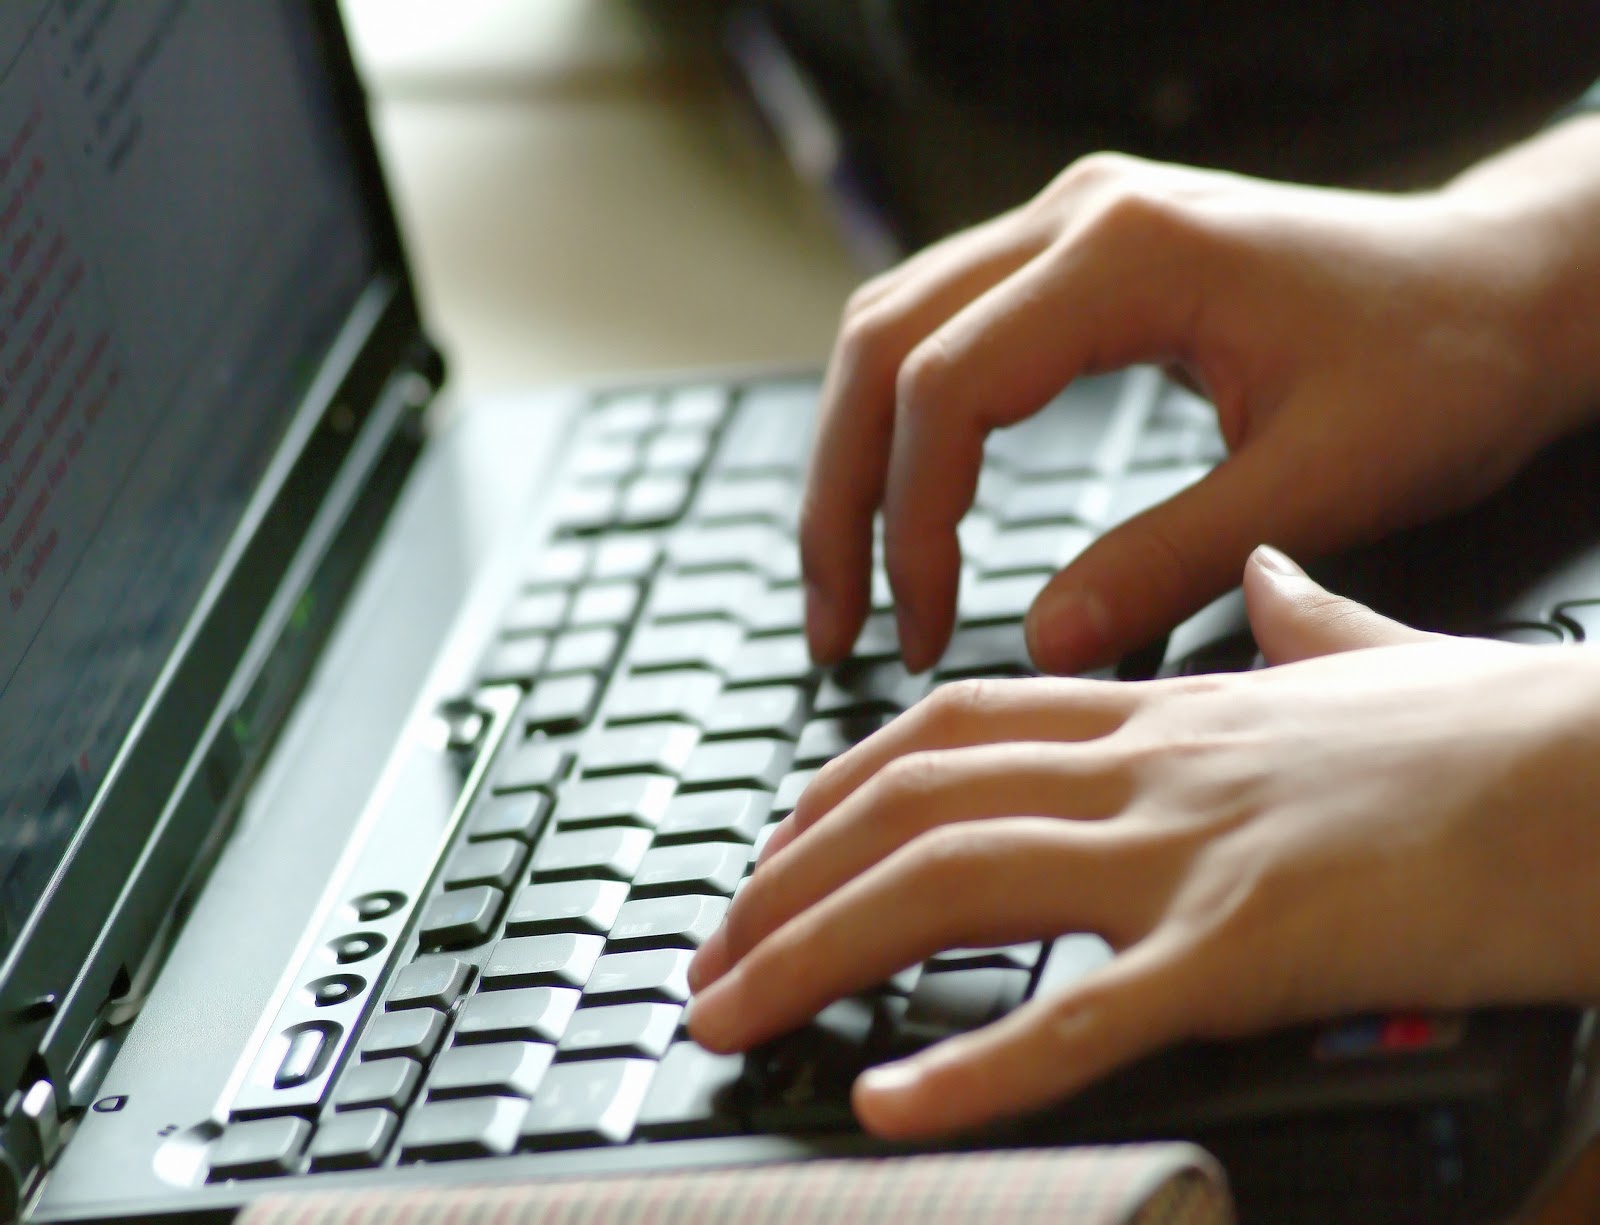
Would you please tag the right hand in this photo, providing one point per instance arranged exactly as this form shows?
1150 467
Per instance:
1374 361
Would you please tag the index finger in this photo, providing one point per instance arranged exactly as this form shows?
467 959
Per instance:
850 455
1099 301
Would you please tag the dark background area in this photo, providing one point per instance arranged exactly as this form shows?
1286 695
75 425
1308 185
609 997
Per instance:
950 110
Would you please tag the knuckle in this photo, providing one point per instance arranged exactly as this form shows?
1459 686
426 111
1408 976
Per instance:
863 333
923 377
863 297
1137 215
909 779
1093 170
952 708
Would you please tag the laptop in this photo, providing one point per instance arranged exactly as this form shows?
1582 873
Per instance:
367 783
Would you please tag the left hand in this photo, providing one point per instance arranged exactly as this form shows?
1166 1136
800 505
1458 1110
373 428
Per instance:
1409 826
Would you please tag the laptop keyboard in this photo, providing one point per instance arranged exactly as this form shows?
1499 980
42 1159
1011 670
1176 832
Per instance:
667 717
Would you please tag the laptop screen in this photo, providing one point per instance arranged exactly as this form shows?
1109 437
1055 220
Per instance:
181 237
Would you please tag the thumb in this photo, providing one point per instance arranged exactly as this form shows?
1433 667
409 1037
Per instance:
1295 618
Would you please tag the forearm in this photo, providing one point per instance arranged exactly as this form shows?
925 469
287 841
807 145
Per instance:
1541 200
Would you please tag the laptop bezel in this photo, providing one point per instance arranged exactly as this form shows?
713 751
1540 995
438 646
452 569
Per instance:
138 845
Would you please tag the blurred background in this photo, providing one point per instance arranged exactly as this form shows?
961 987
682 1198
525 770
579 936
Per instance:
610 186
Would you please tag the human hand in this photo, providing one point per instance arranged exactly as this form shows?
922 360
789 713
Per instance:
1409 826
1374 361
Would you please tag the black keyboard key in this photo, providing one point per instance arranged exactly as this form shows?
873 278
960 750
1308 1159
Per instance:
756 548
680 597
667 922
1052 503
714 816
681 695
758 764
590 650
703 868
1068 960
653 976
999 600
606 459
801 1081
612 853
496 862
779 611
561 704
259 1148
413 1033
693 1093
659 748
586 508
955 1001
777 711
1071 430
781 660
1039 551
496 1069
642 1031
461 918
623 799
822 740
707 644
677 450
653 501
535 763
579 907
986 650
624 557
525 1014
770 430
358 1140
518 815
448 1130
626 415
769 499
604 605
699 407
515 661
592 1102
557 565
541 961
389 1083
538 612
429 982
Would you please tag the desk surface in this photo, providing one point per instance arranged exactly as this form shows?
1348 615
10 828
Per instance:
578 198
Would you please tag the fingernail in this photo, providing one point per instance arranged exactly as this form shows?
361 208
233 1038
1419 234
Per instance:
909 630
1066 631
891 1078
1270 559
713 1021
820 631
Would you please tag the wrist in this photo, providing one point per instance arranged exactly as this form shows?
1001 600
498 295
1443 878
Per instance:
1531 221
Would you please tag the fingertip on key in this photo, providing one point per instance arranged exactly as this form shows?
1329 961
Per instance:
706 966
707 1019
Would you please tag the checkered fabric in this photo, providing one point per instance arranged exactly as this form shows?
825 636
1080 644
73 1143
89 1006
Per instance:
1150 1184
